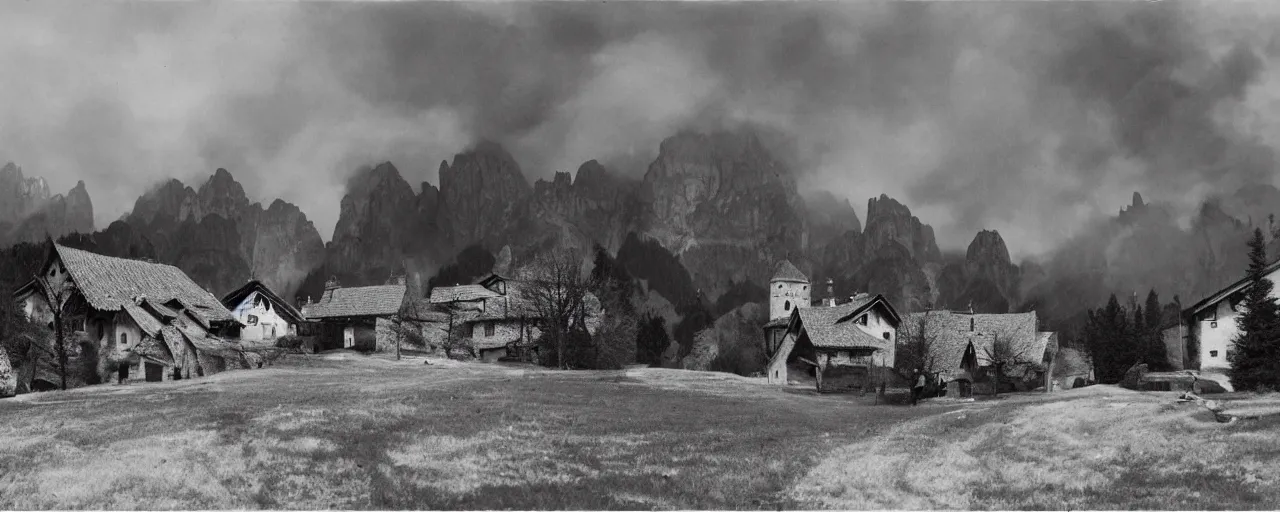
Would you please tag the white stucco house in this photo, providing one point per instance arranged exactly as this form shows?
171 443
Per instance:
1211 326
262 314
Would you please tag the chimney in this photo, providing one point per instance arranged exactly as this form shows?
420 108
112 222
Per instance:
831 293
332 284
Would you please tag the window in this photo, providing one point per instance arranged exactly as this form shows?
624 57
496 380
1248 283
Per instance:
806 288
124 339
886 335
779 286
1213 353
862 320
1213 315
488 329
786 306
101 329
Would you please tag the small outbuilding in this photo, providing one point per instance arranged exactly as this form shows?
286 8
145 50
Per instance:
358 318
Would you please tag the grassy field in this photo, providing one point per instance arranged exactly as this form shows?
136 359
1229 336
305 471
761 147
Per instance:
347 431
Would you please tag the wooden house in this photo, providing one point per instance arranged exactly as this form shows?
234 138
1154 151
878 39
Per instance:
359 318
132 319
841 347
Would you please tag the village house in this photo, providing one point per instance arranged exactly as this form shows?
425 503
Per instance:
360 318
1012 338
133 319
498 318
262 315
1210 328
839 346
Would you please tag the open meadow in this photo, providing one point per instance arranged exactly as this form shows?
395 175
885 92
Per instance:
347 431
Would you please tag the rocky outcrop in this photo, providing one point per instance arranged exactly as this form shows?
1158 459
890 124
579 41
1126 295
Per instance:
380 226
986 281
29 214
828 218
484 196
891 221
239 240
596 207
724 205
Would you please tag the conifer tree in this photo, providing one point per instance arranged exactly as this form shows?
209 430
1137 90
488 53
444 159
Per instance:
1154 353
1255 358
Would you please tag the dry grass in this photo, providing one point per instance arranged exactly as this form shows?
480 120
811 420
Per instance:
1095 448
352 432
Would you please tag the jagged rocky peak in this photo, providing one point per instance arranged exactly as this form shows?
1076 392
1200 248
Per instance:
1137 199
169 202
19 195
891 221
221 194
988 246
482 193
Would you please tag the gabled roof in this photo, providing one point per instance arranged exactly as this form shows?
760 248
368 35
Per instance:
1230 290
788 272
949 333
833 327
382 300
149 324
281 307
463 293
108 283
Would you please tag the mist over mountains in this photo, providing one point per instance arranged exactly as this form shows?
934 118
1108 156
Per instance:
719 203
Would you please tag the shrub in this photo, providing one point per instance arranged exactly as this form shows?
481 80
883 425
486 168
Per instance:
290 342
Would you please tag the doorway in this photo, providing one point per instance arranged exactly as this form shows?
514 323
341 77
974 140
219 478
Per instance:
348 337
122 375
154 372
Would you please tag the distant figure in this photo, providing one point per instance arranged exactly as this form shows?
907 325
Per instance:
917 388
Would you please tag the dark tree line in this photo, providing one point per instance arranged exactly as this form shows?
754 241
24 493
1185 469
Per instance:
1118 337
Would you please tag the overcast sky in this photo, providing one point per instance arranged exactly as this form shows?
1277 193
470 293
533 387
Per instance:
1028 118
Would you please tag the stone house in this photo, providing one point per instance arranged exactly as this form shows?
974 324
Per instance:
950 333
499 318
1210 328
841 347
262 315
360 318
133 319
788 290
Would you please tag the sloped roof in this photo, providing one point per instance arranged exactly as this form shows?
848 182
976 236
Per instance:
466 292
108 283
788 272
833 327
421 310
950 333
282 307
1069 361
1231 289
149 324
382 300
154 349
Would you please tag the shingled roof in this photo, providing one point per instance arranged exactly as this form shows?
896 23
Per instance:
109 284
382 300
466 292
950 333
833 327
789 272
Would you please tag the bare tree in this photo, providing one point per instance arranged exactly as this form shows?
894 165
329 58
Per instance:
1007 350
918 343
57 292
557 288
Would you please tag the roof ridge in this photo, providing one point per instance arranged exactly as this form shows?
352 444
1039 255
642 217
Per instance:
135 260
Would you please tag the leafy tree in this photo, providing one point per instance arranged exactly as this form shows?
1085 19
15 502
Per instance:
1005 352
1255 360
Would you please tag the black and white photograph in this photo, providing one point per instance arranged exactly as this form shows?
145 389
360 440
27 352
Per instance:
639 255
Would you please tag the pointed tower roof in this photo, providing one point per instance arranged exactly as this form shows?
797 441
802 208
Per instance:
788 272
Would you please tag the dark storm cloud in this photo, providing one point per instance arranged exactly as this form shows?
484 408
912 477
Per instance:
1030 118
